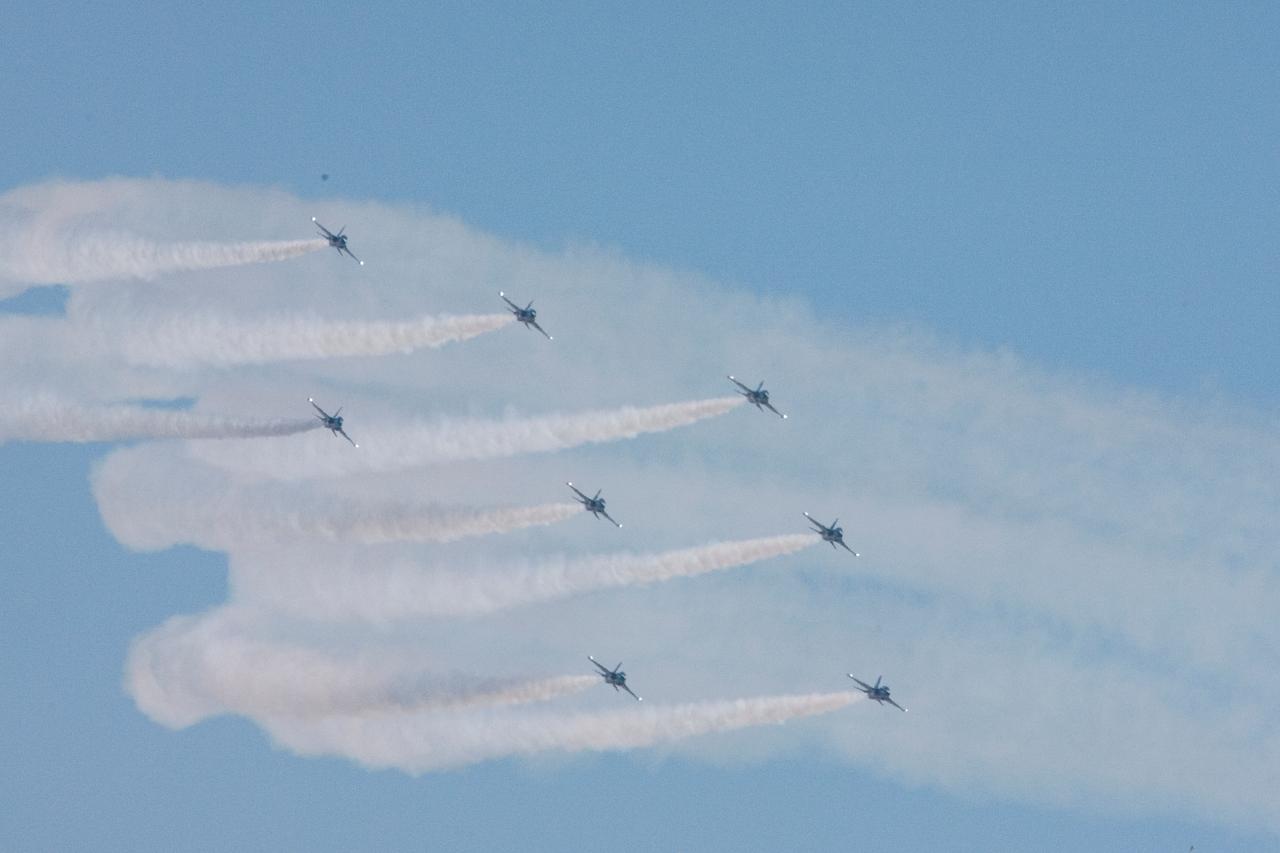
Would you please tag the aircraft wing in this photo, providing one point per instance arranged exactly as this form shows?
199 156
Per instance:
628 689
514 307
861 683
322 412
739 384
350 255
895 704
821 528
326 231
770 407
598 664
606 515
343 433
534 323
850 550
576 492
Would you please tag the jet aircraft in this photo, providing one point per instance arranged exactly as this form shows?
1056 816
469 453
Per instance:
757 397
593 505
333 422
877 691
614 676
832 534
337 241
526 315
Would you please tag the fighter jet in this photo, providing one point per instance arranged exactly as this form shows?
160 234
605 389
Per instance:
593 505
614 676
878 692
333 422
526 315
337 241
832 534
757 397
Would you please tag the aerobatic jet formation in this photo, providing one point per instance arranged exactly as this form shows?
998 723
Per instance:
337 241
614 676
333 422
832 534
593 505
877 691
757 397
526 315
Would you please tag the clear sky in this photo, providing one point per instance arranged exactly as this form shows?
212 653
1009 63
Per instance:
1051 227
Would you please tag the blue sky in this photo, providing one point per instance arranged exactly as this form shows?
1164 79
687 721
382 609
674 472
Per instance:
1068 205
869 157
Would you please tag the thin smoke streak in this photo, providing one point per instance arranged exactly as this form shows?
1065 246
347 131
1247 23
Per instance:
45 419
400 591
397 448
193 668
225 341
443 525
221 518
78 257
425 742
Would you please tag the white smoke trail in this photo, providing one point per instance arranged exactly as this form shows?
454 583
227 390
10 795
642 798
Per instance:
439 524
40 352
397 448
419 743
47 419
223 341
148 514
405 591
77 255
192 668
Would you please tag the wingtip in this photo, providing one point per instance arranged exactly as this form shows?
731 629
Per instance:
784 417
313 219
